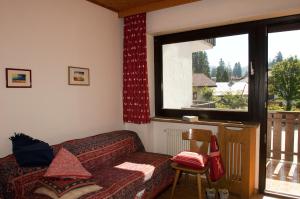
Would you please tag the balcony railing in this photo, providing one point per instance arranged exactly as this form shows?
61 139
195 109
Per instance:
283 137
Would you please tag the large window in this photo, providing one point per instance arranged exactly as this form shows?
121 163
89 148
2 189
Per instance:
209 74
205 73
216 73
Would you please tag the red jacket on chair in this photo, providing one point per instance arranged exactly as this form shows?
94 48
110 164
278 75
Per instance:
217 170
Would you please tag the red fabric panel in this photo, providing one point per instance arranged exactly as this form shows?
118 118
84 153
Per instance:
135 77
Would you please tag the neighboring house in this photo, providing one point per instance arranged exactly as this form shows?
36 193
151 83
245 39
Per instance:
240 79
236 88
200 81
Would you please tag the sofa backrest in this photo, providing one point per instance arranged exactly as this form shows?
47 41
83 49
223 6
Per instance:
93 152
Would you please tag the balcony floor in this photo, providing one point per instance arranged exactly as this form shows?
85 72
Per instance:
283 177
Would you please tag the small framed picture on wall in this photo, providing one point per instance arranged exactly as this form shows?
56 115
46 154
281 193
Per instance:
18 78
79 76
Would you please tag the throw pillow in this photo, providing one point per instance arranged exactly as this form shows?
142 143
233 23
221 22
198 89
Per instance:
74 194
62 186
191 159
66 165
30 152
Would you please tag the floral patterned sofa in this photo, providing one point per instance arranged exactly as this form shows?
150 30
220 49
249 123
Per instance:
117 160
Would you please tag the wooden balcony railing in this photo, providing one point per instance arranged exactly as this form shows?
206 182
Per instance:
282 135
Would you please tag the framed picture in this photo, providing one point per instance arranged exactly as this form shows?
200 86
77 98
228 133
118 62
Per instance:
18 78
79 76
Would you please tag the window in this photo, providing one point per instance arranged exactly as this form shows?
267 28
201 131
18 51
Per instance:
252 36
204 73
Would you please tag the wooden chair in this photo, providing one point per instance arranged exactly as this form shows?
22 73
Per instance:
194 136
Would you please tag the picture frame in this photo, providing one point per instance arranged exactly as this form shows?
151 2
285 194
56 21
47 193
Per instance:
18 78
79 76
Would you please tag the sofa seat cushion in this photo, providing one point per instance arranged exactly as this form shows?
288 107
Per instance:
135 175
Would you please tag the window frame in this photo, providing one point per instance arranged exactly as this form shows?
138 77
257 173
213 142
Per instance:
229 30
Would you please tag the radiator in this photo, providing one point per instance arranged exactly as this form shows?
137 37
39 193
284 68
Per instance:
175 144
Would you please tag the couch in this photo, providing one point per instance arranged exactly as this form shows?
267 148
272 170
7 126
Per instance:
117 160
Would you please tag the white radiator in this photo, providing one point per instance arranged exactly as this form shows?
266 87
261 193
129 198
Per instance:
175 144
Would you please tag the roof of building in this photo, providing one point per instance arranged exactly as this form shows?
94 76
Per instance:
237 88
201 80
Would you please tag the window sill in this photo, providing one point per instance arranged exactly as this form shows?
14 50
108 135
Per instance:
207 122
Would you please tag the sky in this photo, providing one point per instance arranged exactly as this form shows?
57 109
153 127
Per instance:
231 49
234 49
287 42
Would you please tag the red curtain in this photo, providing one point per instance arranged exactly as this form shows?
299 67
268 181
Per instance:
135 77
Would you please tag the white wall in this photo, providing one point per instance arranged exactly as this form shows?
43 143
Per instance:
210 13
48 36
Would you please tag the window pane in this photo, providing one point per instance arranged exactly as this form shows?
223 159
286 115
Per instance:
206 74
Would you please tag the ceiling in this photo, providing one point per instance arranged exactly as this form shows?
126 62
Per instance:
131 7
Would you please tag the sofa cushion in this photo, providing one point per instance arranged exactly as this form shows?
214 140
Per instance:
62 186
191 159
66 165
73 194
30 152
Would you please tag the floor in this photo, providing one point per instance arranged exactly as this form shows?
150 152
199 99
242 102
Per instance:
283 177
187 189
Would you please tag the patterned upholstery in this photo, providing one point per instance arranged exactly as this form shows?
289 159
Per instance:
110 157
66 165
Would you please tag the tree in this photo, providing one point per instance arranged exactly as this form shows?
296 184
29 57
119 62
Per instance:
229 71
213 72
285 80
225 76
222 73
207 93
231 101
237 70
200 63
278 58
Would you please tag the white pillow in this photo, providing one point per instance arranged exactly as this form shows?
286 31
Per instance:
73 194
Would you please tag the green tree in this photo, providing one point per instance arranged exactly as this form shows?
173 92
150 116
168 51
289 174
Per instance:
229 71
213 72
226 76
222 73
207 93
285 80
231 101
237 70
278 58
200 63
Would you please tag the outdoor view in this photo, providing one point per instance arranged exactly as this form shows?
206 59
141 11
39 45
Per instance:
207 74
283 141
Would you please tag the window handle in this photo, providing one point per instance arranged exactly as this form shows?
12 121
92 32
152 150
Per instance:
251 69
